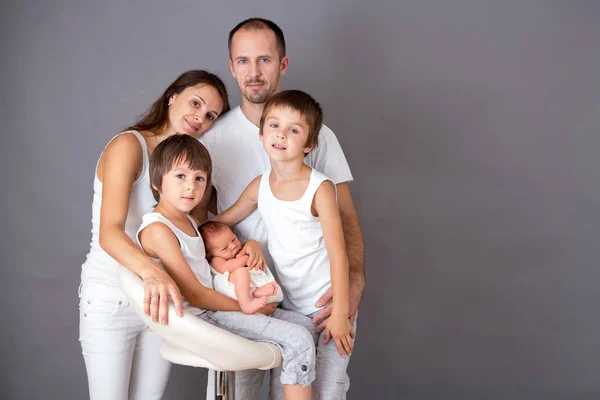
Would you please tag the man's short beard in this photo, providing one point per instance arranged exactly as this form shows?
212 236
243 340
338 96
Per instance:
258 98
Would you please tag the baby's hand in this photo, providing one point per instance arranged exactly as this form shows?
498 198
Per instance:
256 258
340 329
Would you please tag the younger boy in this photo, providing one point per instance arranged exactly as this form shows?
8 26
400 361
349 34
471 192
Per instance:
299 209
179 169
252 287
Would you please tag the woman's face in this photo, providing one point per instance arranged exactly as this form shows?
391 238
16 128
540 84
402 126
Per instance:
194 109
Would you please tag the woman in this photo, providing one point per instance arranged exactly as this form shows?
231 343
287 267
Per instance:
121 355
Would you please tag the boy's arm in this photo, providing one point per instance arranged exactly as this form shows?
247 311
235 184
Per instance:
355 248
222 265
243 207
158 241
327 209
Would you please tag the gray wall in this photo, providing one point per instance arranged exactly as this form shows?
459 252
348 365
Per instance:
472 131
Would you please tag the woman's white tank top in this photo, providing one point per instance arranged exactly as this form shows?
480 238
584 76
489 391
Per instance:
99 266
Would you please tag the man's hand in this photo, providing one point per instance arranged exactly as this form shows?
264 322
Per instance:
325 300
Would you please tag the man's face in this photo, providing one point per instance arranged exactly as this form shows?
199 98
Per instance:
256 65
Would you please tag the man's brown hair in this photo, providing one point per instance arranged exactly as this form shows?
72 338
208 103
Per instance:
252 24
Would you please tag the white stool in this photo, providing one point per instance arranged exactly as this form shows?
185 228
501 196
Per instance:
196 343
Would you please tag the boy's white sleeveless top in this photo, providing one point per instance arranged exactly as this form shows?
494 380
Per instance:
192 248
100 266
238 156
296 244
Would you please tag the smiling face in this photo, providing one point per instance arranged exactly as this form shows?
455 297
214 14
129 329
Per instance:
256 64
224 244
284 134
182 188
193 110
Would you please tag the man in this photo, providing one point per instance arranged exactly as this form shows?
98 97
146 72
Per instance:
257 61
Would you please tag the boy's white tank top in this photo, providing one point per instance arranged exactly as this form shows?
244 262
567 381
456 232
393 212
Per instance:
192 248
296 244
99 266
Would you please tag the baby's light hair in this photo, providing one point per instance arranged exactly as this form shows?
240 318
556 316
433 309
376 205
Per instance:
173 150
210 229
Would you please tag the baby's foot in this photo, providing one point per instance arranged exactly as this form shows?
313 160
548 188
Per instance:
269 289
252 306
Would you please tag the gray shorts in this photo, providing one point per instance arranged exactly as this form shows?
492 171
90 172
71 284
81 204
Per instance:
331 383
295 342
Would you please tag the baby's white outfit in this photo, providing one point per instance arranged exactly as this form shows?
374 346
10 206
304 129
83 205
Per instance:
258 278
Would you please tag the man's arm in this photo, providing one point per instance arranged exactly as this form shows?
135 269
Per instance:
355 246
355 249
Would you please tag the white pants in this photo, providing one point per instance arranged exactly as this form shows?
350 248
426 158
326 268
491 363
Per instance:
120 352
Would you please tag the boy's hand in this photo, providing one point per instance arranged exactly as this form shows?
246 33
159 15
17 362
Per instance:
340 330
256 258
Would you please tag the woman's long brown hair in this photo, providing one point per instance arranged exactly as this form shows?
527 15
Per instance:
156 117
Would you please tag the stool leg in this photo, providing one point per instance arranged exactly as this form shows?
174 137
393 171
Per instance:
224 385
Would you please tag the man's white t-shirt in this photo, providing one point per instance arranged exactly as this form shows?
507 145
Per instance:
238 156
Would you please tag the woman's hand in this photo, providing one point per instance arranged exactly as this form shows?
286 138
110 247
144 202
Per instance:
340 330
158 286
256 258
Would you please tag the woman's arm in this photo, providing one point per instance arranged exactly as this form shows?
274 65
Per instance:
159 241
243 207
327 210
117 169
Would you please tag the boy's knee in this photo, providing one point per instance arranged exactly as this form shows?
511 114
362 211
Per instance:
302 368
307 336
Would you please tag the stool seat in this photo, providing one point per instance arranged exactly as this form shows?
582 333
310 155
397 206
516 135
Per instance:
184 357
194 342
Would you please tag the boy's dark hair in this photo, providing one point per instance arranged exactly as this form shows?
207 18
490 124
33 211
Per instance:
211 228
173 150
304 104
253 24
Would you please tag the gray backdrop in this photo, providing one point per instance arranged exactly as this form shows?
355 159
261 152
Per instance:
471 128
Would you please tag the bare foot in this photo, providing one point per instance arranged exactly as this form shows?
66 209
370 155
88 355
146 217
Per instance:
252 306
269 289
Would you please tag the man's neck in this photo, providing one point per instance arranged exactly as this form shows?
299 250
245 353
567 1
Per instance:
252 111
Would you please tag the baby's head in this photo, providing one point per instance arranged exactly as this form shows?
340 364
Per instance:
219 240
299 102
185 153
